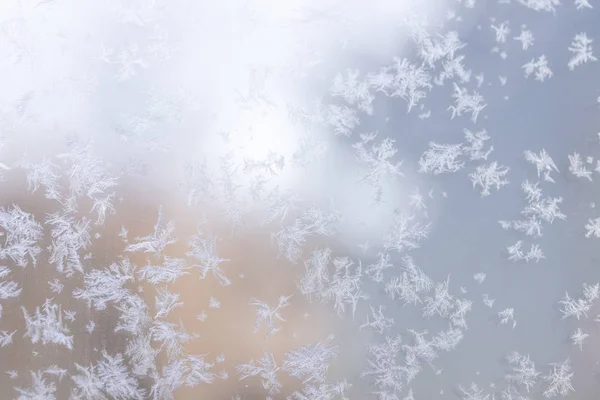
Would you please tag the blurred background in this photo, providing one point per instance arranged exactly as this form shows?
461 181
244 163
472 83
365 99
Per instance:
219 115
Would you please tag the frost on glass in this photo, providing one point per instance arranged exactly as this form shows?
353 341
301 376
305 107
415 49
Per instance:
299 200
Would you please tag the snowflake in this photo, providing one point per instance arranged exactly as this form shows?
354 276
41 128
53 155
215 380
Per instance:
479 277
266 368
541 5
523 372
575 307
47 326
581 4
559 380
465 102
412 282
417 200
311 362
593 228
581 47
543 163
353 91
379 322
506 315
204 250
502 31
403 79
473 393
343 119
387 374
539 68
375 271
21 235
378 160
441 303
577 167
441 158
578 337
269 315
406 234
489 175
526 38
476 146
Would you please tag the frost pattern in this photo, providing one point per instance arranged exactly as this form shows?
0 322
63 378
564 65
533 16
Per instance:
248 201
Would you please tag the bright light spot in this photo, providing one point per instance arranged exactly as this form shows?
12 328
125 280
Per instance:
261 134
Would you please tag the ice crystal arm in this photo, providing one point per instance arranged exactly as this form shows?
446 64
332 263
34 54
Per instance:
526 38
312 222
204 251
310 363
266 368
578 337
377 159
133 314
465 102
410 82
46 326
375 270
168 272
576 308
317 274
343 119
476 148
488 176
69 236
448 340
593 228
441 158
474 392
166 302
170 336
6 338
386 373
378 321
21 233
117 383
543 163
539 69
353 90
577 167
581 47
442 301
582 4
103 286
559 380
156 242
345 286
9 289
40 388
406 234
410 284
269 315
523 372
321 391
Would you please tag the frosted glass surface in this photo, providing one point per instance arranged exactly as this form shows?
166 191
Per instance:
299 199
